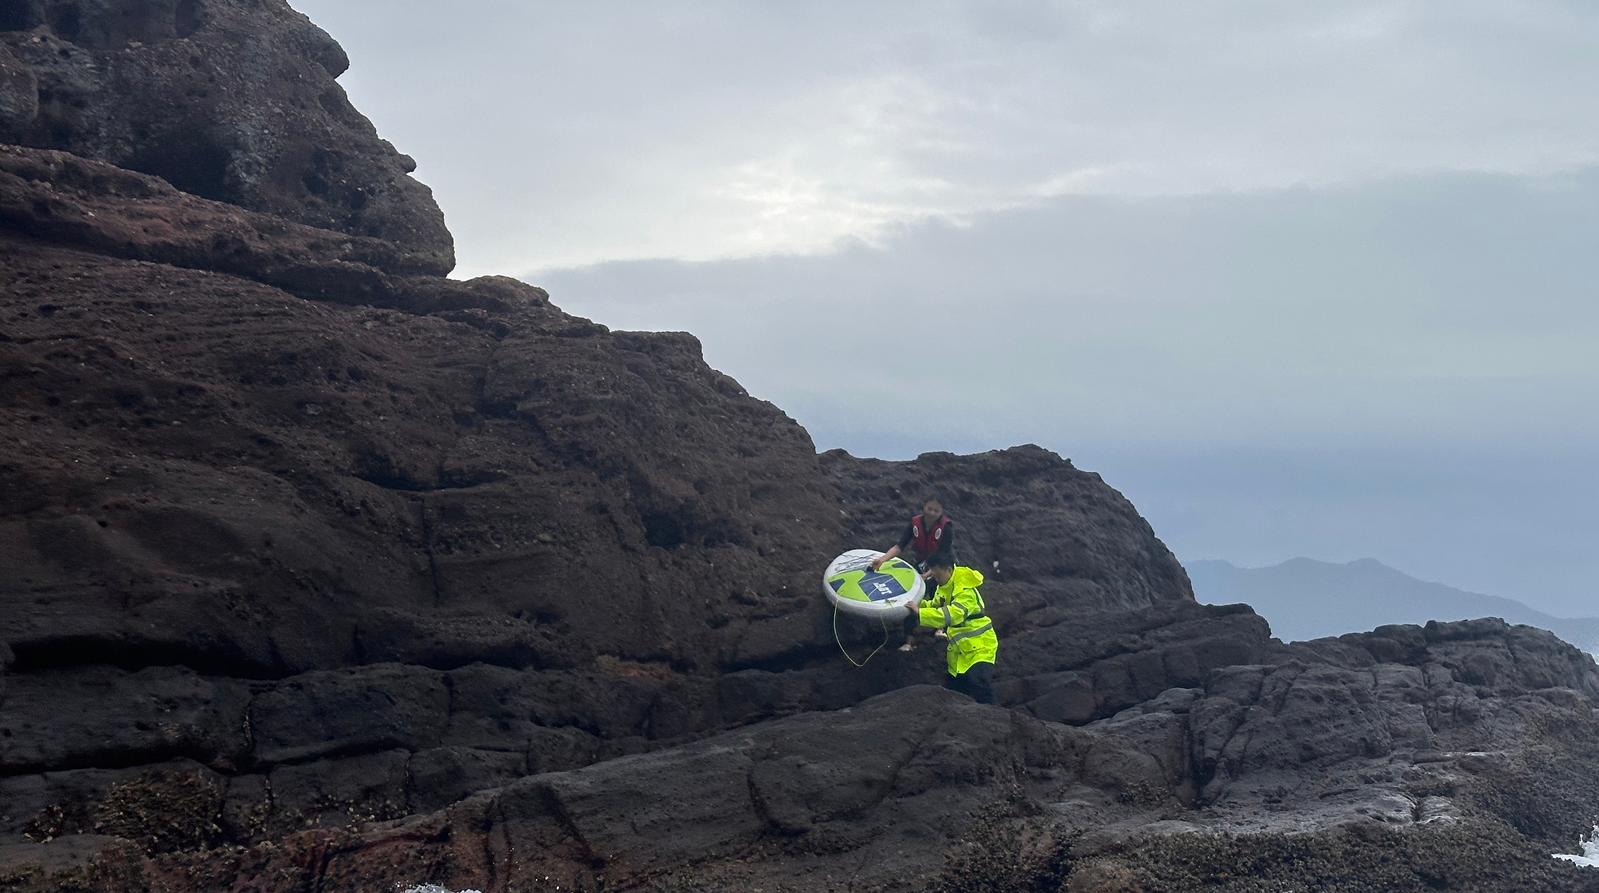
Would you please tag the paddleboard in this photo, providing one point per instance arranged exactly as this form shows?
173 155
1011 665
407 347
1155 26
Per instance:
852 585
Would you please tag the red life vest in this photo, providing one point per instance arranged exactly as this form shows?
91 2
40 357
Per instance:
926 541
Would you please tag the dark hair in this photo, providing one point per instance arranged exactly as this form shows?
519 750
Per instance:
933 499
941 561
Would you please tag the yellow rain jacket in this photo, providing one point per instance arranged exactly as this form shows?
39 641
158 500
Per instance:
957 608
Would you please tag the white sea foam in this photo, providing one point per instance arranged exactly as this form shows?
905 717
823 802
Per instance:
1589 857
433 888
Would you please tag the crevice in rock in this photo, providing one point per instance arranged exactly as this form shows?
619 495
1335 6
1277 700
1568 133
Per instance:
66 20
408 785
403 484
896 769
111 759
357 647
68 652
187 18
449 695
496 825
803 656
763 810
195 163
425 522
17 15
1206 769
342 752
557 808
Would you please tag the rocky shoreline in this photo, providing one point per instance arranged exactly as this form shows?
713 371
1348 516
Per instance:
326 572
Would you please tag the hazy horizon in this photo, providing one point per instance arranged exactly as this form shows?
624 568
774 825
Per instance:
1357 563
1305 599
1299 280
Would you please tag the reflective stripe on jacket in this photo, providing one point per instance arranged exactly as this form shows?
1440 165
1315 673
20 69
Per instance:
957 608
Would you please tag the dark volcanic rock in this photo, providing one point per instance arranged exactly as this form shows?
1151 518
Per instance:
1028 519
105 209
233 100
922 789
19 92
199 469
203 470
299 536
98 715
218 473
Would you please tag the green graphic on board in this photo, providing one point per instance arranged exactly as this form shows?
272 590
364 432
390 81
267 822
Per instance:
862 584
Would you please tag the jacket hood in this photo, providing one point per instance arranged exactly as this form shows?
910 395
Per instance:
962 577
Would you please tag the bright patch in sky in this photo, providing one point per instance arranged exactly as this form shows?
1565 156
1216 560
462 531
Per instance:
571 133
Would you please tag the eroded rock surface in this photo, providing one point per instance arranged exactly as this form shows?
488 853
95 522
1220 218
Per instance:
1032 522
233 100
323 572
303 515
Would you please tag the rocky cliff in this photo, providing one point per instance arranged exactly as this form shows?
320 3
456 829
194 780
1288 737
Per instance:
226 99
324 572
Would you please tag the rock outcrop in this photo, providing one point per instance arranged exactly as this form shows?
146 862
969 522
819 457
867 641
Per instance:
232 100
1032 522
305 516
1401 759
325 572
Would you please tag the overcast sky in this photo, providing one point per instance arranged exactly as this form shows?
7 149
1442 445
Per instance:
1299 278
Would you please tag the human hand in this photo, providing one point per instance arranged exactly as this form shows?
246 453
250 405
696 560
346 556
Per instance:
876 564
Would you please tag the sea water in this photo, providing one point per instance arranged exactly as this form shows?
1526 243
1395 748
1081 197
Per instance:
1589 856
432 888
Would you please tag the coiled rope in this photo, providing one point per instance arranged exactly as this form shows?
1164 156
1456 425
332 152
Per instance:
846 651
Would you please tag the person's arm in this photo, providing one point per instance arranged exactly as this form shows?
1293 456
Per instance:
895 550
963 605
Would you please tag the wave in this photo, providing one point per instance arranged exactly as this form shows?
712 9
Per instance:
1589 857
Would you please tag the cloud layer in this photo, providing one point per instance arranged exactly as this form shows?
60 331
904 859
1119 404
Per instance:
565 133
1231 360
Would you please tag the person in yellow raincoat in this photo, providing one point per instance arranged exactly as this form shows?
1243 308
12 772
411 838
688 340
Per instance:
956 608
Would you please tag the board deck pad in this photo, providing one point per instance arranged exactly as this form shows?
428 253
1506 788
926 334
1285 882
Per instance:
854 586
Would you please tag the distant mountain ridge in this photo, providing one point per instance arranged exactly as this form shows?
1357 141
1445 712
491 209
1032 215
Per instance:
1304 598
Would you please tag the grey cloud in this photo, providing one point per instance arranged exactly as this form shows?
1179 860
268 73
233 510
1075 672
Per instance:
1408 323
1451 308
564 132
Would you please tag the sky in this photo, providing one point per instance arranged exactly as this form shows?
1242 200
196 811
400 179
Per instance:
1299 278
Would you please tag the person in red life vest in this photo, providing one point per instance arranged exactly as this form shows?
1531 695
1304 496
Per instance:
929 536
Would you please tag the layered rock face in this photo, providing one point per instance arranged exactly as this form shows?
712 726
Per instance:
323 572
217 487
232 100
1034 524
